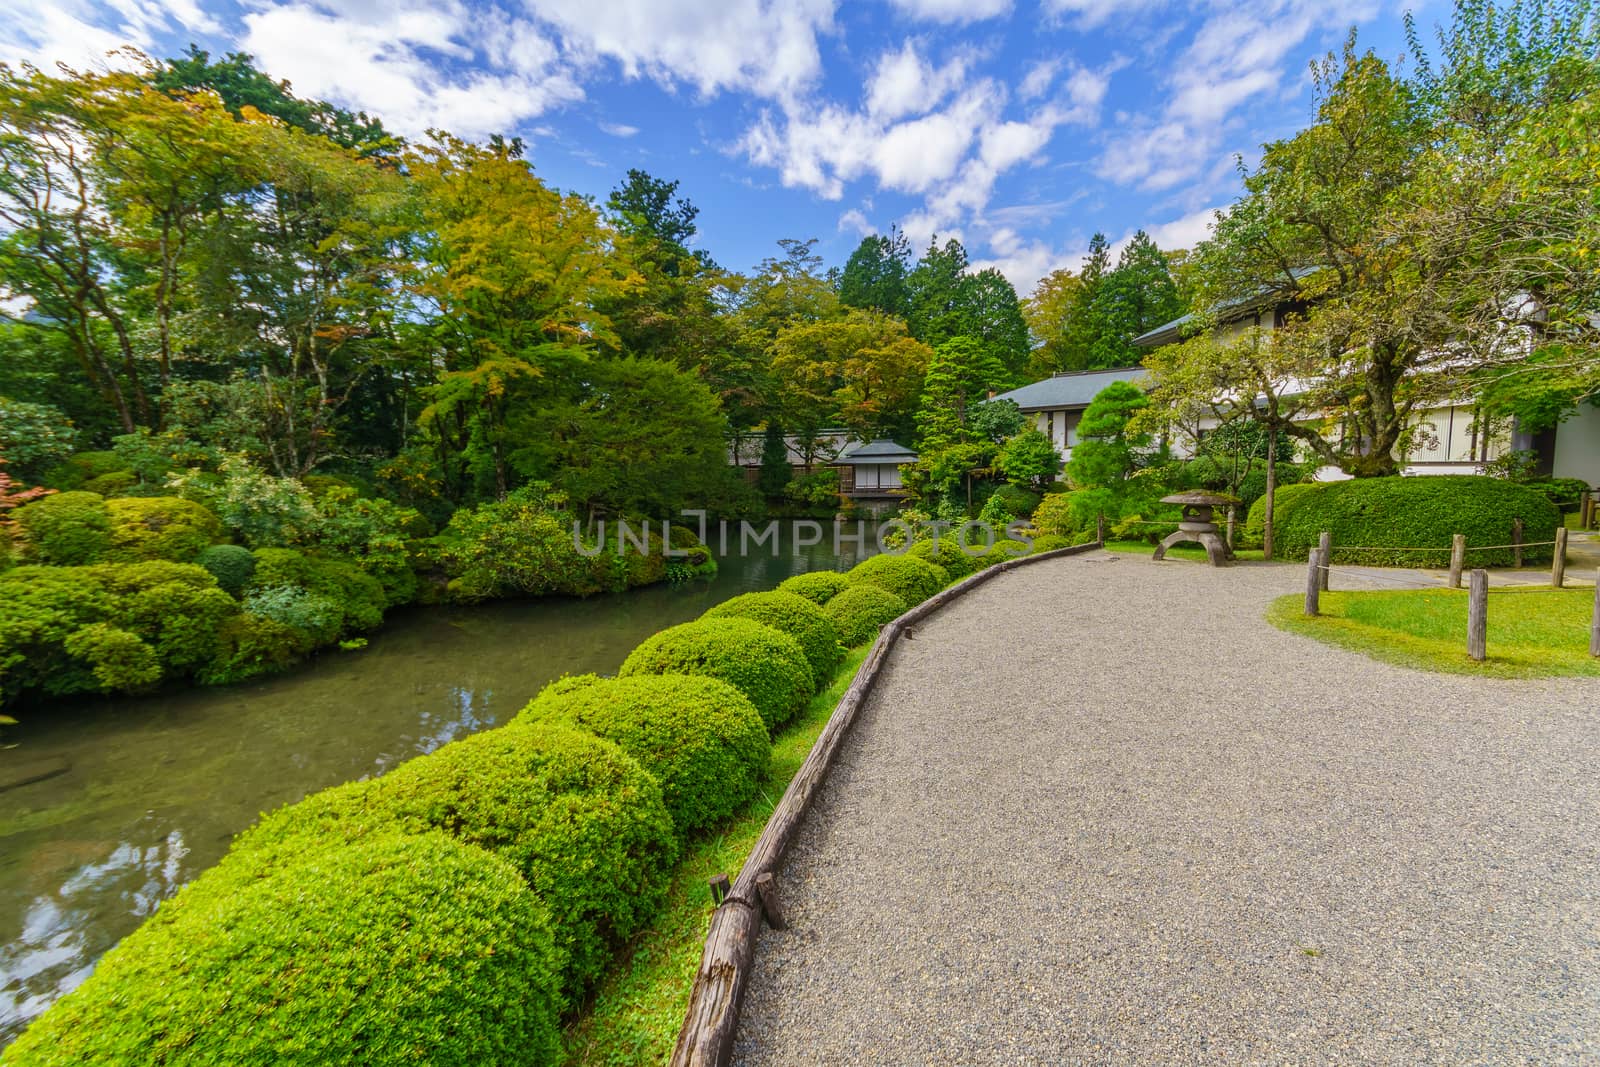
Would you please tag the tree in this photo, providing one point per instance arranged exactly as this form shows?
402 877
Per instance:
875 276
1107 455
863 372
1056 301
1136 297
1082 330
948 301
960 376
775 468
1028 460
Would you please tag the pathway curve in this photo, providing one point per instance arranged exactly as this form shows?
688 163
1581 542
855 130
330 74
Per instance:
1072 827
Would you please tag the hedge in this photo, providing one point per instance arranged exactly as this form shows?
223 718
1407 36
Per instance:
66 529
701 738
764 664
159 527
1416 512
1002 551
862 610
946 552
912 580
796 616
398 950
1283 501
581 820
819 587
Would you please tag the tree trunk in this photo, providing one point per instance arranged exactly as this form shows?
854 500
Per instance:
1272 489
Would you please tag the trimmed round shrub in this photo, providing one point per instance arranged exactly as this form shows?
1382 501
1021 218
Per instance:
764 664
796 616
912 580
74 471
159 527
1002 551
66 529
701 738
398 950
114 484
862 610
1416 512
230 565
1018 501
581 820
946 552
819 587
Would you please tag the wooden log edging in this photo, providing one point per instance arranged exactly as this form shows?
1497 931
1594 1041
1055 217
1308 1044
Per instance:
706 1037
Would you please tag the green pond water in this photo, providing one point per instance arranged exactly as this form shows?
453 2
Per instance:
157 786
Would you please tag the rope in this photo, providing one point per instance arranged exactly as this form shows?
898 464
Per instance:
1525 544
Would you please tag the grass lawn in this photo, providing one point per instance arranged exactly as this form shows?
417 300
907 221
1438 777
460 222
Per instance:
1193 553
1533 633
635 1015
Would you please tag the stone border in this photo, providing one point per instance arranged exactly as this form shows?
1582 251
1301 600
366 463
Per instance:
710 1024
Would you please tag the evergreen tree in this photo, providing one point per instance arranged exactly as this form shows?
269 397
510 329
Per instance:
1136 297
874 278
775 469
1106 454
1082 329
961 375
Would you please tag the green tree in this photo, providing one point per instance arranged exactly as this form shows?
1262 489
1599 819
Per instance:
1109 448
1056 302
863 372
1028 460
875 276
1137 296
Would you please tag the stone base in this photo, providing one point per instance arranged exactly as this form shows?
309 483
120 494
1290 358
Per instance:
1216 548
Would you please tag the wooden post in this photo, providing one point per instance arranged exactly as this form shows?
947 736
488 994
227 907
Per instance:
1478 615
1516 542
1458 558
1583 510
771 904
1100 528
1558 562
1314 582
1325 550
1594 623
719 889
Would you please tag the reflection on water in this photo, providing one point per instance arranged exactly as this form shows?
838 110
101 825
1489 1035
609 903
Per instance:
158 786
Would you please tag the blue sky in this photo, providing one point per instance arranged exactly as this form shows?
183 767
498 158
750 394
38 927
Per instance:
1020 126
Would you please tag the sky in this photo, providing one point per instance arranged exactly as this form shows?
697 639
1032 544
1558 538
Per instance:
1020 127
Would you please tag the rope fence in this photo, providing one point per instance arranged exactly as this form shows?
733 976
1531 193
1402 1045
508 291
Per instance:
1319 569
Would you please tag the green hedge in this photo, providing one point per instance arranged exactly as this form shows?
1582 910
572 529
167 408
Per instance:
819 587
1284 500
230 565
1002 551
764 664
796 616
65 529
701 738
394 951
861 611
358 597
159 527
1415 512
912 580
946 552
581 820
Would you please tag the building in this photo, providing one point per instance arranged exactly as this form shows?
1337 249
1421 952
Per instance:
1055 404
871 470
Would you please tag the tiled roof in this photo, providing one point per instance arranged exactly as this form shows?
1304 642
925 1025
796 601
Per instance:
1069 390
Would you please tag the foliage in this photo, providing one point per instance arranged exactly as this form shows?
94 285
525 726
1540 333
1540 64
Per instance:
912 580
862 371
700 737
323 960
144 528
875 275
819 489
250 646
794 615
73 471
1088 320
317 617
862 610
174 610
1108 453
1054 516
261 509
1028 460
816 586
947 300
767 666
947 553
66 529
583 822
33 437
1003 550
1394 514
1018 501
1565 493
330 597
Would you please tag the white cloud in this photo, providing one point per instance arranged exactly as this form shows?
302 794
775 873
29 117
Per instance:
382 60
81 32
617 129
953 11
905 83
767 47
1024 261
1039 78
855 221
1088 14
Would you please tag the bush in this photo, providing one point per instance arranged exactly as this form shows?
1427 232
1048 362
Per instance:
160 527
394 951
819 587
249 646
861 611
1002 551
1054 516
1018 502
764 664
1284 500
315 616
796 616
173 609
359 598
1051 542
66 529
114 484
230 565
581 820
946 552
34 436
1564 493
912 580
74 471
1417 512
701 738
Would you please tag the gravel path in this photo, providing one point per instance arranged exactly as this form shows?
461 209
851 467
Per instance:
1070 829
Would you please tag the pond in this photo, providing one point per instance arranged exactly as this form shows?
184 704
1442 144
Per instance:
157 786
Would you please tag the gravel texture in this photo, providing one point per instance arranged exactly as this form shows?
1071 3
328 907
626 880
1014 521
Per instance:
1099 811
